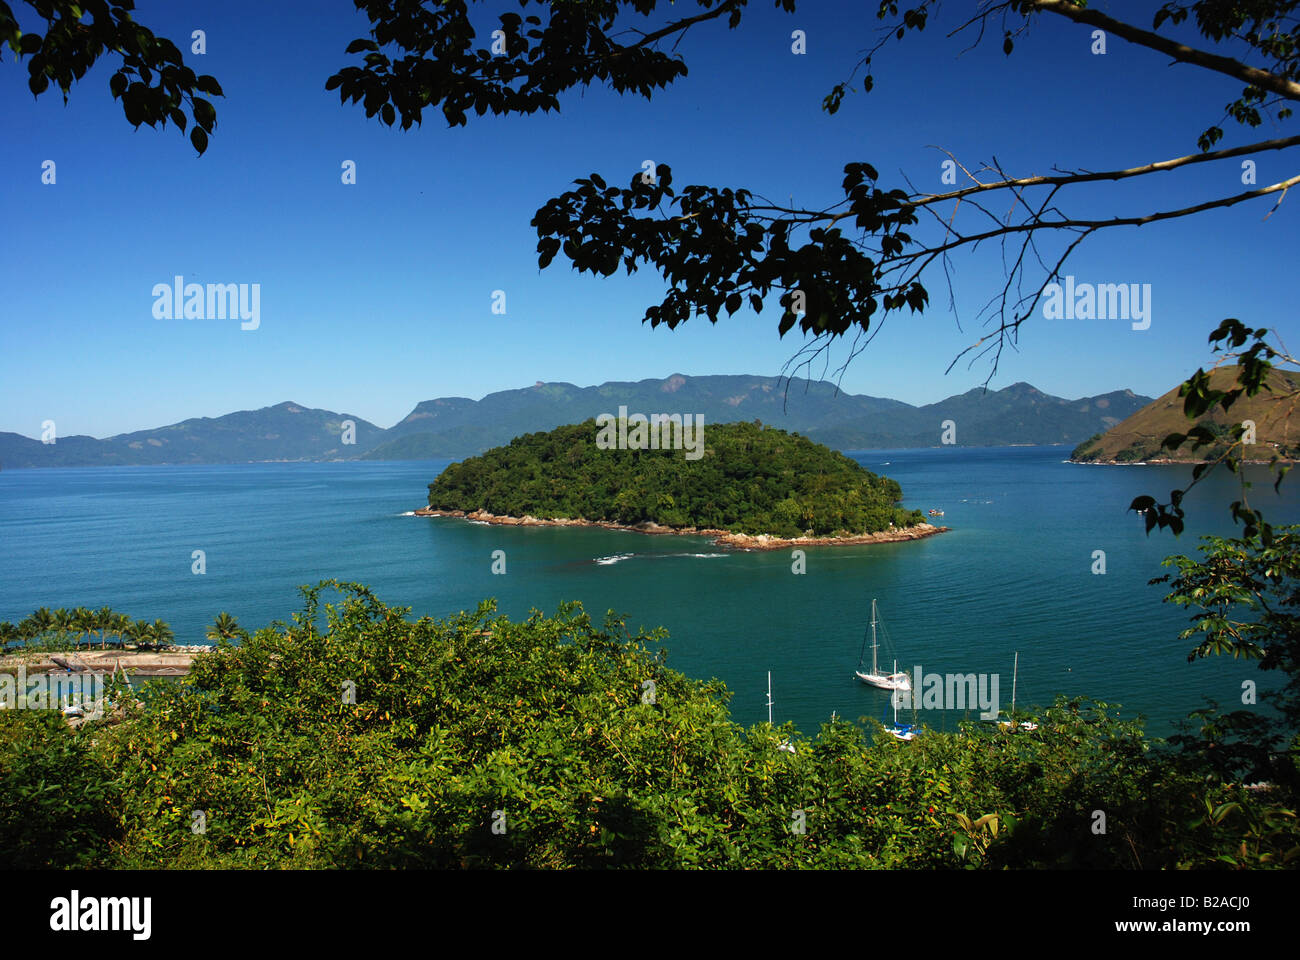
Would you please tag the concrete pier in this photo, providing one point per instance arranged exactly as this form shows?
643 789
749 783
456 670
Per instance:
172 663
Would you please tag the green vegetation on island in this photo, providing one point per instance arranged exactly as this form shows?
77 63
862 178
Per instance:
751 479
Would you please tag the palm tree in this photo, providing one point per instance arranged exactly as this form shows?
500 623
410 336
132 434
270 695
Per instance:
83 621
162 634
225 627
118 624
139 631
26 629
103 623
63 623
8 634
42 620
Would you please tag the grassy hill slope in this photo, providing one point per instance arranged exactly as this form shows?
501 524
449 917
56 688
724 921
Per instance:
1138 437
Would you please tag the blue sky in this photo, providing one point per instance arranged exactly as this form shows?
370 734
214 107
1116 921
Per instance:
378 295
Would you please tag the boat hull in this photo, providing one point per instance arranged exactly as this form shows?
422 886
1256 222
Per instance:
896 681
1004 724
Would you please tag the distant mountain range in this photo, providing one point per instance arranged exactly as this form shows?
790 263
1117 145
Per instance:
458 427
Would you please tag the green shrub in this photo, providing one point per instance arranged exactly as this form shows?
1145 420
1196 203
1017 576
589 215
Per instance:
59 802
548 729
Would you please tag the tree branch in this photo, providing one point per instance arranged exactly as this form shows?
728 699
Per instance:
679 26
1179 51
1068 224
1065 179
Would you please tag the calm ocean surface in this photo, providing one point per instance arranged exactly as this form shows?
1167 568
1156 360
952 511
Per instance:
1015 573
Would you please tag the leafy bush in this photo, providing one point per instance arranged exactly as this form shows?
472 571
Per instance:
59 803
584 750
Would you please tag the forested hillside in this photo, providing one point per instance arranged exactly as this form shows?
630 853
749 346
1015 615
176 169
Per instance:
750 479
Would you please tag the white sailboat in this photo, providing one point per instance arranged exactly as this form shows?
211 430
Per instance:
1008 724
885 681
784 744
905 731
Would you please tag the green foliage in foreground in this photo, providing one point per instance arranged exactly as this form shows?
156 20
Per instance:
548 722
59 805
750 479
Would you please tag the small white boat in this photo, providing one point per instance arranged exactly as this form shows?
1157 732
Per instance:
885 681
901 731
906 732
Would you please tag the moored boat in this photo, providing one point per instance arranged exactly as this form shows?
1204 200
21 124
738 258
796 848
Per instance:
901 731
1011 723
884 681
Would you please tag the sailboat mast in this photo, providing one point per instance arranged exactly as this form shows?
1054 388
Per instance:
874 670
1015 672
894 697
769 698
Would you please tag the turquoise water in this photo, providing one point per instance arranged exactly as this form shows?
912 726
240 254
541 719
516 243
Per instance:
1015 573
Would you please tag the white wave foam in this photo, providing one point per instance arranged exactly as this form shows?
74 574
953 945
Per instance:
606 561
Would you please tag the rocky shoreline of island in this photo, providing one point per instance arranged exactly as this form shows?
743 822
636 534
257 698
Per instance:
723 538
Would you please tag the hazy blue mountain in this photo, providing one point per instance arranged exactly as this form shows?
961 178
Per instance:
286 431
459 427
456 426
1020 413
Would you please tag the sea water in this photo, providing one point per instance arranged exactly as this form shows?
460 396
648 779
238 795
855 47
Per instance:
1016 573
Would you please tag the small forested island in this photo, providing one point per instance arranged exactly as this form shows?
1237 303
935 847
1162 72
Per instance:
747 485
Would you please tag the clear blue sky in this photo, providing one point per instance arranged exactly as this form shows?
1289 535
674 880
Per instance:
377 296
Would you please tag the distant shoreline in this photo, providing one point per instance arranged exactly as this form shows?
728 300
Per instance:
724 538
1167 462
